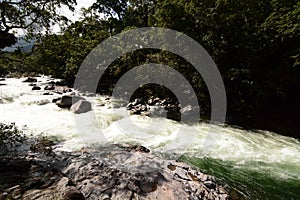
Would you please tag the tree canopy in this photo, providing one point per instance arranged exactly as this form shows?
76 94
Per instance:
30 17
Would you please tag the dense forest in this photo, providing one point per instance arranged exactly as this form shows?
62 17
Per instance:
255 44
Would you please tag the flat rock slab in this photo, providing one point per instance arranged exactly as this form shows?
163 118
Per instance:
111 172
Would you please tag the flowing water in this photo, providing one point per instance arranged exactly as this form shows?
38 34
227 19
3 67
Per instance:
254 164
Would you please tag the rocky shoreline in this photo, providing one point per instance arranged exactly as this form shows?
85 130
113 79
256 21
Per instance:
110 172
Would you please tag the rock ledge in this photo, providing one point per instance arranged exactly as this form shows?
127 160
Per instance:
112 172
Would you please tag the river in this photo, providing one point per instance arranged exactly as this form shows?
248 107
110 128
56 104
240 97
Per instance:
256 164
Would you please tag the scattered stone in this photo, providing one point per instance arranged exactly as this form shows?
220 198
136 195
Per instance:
67 90
135 112
49 87
36 88
210 184
2 79
42 102
155 107
171 167
56 100
30 80
1 101
60 83
140 149
51 82
48 93
81 106
62 89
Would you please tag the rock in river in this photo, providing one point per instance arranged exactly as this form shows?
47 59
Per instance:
81 106
49 87
67 101
36 88
30 80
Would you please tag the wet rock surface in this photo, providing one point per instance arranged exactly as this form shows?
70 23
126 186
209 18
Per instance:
36 88
81 106
67 101
30 80
110 172
160 107
49 87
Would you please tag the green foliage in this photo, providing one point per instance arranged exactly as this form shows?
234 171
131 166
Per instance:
62 55
10 138
255 44
30 18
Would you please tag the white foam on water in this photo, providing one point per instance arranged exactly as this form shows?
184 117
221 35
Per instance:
280 154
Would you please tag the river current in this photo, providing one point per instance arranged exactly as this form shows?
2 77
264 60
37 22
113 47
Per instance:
255 164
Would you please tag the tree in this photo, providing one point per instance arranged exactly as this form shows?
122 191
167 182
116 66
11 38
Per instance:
255 44
33 18
62 55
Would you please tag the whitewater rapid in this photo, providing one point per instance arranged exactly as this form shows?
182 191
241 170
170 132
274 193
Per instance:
263 151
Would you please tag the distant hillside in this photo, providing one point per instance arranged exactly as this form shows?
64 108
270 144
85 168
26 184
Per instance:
26 46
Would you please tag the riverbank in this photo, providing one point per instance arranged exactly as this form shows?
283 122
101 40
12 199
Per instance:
110 172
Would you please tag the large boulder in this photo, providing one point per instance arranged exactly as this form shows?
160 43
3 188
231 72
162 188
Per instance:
67 101
81 106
